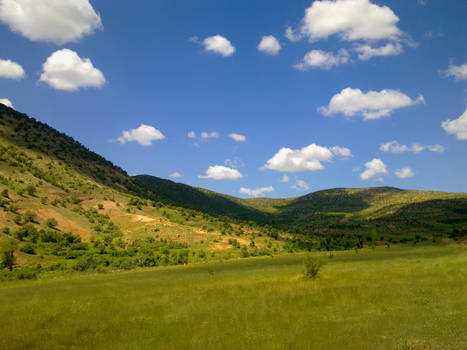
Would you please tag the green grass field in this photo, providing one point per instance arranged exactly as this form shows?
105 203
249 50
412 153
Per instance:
401 297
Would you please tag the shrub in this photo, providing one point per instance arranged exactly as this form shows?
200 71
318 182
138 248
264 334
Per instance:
31 190
8 258
85 263
100 206
29 216
27 232
312 266
5 193
51 222
28 248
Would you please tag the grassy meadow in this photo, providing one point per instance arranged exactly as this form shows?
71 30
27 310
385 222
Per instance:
403 297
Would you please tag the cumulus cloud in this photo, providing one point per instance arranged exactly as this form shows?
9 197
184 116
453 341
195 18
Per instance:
220 172
256 192
191 135
219 44
144 135
458 72
374 168
65 70
11 70
237 137
322 60
300 185
175 175
395 147
371 104
56 21
209 135
457 126
365 52
308 158
350 20
285 178
6 102
269 45
404 173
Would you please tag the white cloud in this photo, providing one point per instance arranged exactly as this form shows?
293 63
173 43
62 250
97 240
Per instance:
144 135
57 21
343 152
322 60
209 135
6 102
175 175
292 35
191 135
371 104
237 137
365 52
458 72
350 20
304 159
373 168
234 162
404 173
65 70
219 44
457 126
285 178
435 148
269 45
256 192
300 185
220 172
11 70
395 147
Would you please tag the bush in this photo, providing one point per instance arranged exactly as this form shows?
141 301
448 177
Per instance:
51 222
312 266
29 217
28 248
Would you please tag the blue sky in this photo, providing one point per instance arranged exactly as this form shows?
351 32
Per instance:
386 84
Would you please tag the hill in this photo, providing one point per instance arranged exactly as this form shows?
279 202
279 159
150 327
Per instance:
339 210
65 208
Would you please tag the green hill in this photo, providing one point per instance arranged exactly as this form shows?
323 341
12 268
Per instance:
65 208
339 210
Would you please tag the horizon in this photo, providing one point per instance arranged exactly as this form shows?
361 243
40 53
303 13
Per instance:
279 107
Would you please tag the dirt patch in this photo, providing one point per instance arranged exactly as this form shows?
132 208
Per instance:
220 246
140 218
64 224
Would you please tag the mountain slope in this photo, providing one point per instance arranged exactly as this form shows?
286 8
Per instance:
343 210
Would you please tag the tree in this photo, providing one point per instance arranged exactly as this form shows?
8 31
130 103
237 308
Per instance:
8 258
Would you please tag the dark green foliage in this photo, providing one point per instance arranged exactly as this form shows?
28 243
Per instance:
28 248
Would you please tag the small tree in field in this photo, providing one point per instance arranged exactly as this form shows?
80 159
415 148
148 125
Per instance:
312 266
